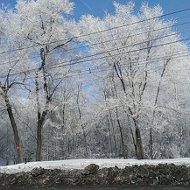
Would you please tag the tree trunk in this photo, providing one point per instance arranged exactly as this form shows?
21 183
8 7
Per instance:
109 137
48 146
15 131
124 147
154 111
82 126
151 143
39 143
113 133
41 115
139 146
38 131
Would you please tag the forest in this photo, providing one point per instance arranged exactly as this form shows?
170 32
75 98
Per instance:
111 87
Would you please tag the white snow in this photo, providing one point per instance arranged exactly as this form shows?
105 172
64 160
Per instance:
82 163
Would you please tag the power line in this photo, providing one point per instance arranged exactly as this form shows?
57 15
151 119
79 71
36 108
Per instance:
111 50
97 70
180 24
90 70
13 61
119 48
153 59
101 31
99 58
144 20
106 50
115 39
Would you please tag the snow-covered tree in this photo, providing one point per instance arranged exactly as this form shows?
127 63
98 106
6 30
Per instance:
41 30
137 55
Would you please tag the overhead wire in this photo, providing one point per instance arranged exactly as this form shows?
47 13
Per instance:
115 39
120 38
99 53
58 65
106 41
97 32
89 70
95 59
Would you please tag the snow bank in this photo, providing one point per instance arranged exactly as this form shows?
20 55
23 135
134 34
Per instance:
82 163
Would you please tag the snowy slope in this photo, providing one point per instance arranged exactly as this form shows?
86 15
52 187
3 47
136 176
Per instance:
82 163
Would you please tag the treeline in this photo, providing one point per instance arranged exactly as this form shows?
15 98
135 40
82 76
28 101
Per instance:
107 87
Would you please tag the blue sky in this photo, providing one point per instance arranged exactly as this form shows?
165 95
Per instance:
97 7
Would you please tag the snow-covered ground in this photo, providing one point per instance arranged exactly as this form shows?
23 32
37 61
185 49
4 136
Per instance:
82 163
